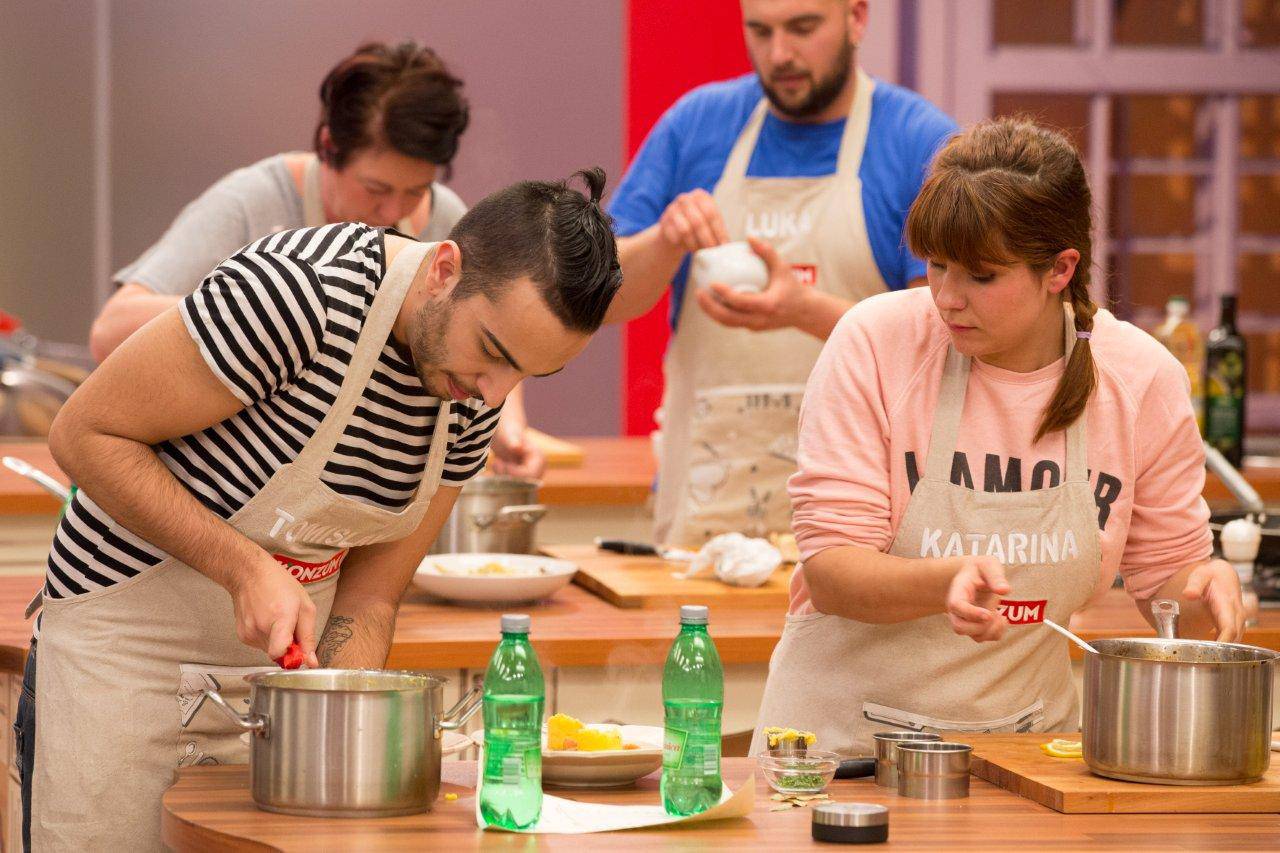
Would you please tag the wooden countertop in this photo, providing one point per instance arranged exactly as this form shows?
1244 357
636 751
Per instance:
575 628
209 808
615 472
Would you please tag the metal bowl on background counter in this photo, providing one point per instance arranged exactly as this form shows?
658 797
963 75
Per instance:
1177 712
493 515
346 743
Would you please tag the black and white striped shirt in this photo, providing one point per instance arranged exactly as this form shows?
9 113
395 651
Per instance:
278 324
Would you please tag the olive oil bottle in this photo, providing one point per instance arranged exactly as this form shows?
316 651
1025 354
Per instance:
1226 372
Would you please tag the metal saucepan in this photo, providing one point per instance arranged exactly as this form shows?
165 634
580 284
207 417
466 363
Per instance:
346 743
497 515
1181 712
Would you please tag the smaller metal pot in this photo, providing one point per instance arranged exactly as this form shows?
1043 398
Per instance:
346 743
497 515
933 770
887 753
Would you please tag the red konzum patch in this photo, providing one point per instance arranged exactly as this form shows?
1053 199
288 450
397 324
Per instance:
304 572
1023 612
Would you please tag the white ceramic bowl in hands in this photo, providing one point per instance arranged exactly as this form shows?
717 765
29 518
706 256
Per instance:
529 577
733 264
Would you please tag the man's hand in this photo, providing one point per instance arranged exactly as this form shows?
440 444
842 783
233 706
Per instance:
780 305
273 610
974 597
692 222
515 455
1217 586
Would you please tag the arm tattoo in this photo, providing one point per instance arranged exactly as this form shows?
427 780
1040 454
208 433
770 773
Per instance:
336 634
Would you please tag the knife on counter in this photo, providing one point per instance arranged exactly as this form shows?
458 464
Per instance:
644 549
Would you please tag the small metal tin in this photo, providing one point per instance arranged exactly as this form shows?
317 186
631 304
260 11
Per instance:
886 753
850 823
934 771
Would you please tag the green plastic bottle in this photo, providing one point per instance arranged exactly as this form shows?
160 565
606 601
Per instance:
514 696
693 698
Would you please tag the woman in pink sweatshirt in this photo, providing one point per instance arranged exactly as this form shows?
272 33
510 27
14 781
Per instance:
981 455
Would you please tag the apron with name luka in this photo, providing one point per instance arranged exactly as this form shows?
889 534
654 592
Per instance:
845 680
732 399
123 669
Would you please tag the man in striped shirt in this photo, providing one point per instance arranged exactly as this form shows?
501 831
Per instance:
277 454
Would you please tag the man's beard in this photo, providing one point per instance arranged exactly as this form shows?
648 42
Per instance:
824 91
427 345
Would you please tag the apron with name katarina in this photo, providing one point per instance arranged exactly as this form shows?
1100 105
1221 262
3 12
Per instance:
123 669
845 680
732 399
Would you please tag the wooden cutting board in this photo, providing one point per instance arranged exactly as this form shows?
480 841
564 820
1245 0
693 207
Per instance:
559 453
1014 762
646 581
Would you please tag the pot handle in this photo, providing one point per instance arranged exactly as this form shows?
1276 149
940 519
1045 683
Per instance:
520 513
463 710
1165 610
256 723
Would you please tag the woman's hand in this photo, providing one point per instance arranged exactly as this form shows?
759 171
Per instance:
1217 586
974 597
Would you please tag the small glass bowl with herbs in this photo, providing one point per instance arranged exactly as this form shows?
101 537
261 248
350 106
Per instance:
798 771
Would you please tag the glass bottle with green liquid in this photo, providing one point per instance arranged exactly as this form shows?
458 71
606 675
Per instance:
514 696
693 698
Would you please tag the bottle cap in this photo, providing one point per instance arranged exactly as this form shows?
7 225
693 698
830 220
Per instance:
694 614
1178 306
515 623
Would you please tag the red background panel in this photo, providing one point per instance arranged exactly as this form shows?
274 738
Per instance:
672 46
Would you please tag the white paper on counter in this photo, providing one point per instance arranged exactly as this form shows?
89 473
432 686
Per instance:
570 817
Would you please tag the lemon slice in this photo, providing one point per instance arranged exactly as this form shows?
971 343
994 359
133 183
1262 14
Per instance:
1063 749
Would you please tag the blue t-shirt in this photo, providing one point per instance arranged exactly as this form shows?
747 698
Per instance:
690 144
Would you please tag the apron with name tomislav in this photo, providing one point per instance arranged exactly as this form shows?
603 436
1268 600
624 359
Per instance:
845 680
732 398
313 208
123 669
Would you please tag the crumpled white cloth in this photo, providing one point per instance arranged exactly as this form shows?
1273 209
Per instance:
736 560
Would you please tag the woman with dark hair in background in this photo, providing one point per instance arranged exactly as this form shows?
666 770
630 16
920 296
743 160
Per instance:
981 455
391 118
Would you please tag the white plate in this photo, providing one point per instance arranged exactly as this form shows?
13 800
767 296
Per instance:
451 742
538 577
610 768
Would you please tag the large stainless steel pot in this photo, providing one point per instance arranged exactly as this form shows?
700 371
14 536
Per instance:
346 743
1181 712
497 515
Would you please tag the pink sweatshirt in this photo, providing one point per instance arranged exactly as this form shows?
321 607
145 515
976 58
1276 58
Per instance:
868 413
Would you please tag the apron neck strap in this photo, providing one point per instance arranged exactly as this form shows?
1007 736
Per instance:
312 208
373 337
950 407
852 142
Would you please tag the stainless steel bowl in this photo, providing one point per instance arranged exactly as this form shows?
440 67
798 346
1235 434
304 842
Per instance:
346 743
496 515
1182 712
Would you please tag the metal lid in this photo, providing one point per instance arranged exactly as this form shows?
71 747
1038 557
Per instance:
851 814
694 614
515 623
498 484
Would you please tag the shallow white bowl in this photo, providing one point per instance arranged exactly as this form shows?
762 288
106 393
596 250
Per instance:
612 768
541 576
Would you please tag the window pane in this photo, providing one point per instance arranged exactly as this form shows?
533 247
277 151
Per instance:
1260 126
1259 283
1162 126
1067 113
1041 22
1149 280
1164 23
1153 205
1261 20
1260 204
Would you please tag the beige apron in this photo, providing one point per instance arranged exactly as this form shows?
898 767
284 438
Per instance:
122 668
845 680
732 398
313 208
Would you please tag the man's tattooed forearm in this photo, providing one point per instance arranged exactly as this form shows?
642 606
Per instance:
336 635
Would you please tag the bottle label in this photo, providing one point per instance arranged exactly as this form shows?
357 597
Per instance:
512 768
673 743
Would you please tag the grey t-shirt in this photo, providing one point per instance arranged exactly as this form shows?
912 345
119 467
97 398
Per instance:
247 204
